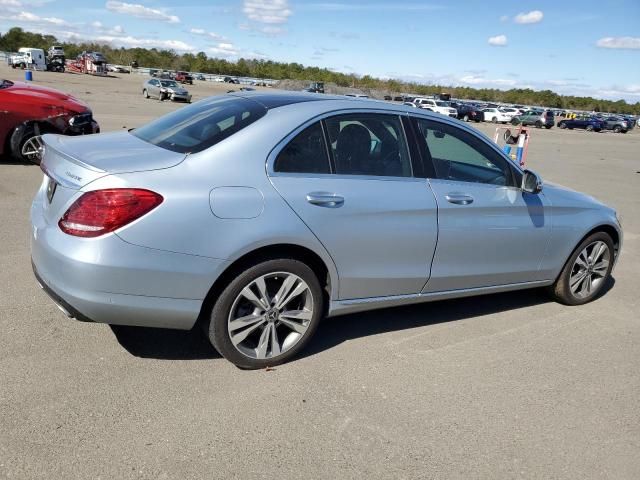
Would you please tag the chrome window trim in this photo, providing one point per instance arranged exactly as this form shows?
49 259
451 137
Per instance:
275 151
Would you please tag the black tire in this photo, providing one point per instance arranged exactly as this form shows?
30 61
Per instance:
465 118
515 121
18 140
617 129
548 126
494 120
561 291
145 93
562 125
538 124
589 128
218 330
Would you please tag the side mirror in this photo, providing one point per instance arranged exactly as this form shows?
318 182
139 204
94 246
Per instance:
531 182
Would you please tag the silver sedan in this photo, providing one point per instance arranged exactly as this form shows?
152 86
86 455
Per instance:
165 90
256 215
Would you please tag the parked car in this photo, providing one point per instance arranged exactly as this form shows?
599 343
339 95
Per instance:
538 118
27 115
165 90
183 77
496 116
511 112
181 222
587 123
437 106
468 112
231 80
200 77
617 124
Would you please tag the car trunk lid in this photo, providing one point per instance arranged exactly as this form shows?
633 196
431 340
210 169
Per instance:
71 163
77 161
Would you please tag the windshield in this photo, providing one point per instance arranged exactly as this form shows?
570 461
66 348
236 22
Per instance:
168 83
201 125
442 104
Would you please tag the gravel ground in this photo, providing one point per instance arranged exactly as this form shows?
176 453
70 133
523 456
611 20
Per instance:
502 386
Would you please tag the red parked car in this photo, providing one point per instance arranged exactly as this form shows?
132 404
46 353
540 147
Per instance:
184 77
28 111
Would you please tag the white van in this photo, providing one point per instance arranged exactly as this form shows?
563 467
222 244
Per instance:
32 58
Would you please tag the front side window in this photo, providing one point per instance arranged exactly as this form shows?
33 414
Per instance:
460 156
306 153
198 126
368 144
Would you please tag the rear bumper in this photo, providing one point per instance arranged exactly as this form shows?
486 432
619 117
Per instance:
108 280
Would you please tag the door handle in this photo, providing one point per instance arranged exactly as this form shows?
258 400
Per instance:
325 199
459 198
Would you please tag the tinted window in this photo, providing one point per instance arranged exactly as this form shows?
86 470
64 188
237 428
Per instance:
196 127
369 144
306 153
458 155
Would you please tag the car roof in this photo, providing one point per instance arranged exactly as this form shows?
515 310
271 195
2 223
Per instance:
271 100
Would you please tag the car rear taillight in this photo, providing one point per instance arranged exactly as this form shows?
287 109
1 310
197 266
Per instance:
103 211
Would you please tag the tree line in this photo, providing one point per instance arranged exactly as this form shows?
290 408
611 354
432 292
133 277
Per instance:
15 38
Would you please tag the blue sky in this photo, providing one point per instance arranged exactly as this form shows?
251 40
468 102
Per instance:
584 47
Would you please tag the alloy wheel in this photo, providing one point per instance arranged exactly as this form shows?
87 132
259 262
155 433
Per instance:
589 269
270 315
32 149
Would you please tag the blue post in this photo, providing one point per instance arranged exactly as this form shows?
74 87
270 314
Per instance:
28 75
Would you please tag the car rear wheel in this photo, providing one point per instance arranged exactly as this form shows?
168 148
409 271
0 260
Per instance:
465 118
515 121
538 124
589 128
494 120
617 129
586 272
267 314
562 125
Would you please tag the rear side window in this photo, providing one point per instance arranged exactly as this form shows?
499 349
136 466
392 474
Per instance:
199 126
368 144
306 153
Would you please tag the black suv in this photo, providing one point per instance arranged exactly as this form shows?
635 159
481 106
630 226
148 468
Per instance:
468 112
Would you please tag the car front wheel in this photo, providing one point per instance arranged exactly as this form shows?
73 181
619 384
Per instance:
586 272
28 145
145 93
267 314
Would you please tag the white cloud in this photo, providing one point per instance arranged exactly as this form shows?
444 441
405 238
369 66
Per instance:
267 11
224 50
202 31
133 42
10 3
481 80
140 11
28 17
504 18
534 16
99 27
498 41
629 43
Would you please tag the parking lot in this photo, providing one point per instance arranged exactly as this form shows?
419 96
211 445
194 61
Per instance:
503 386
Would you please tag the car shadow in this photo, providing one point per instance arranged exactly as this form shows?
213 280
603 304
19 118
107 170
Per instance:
164 344
6 160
